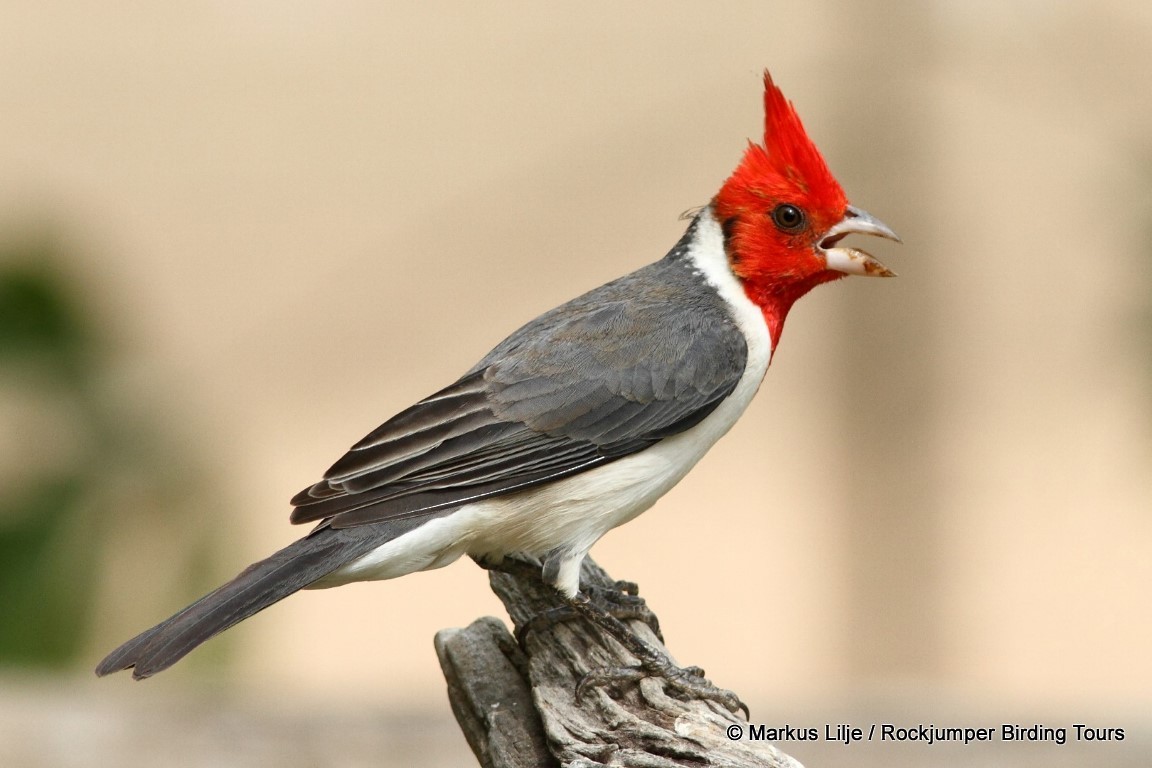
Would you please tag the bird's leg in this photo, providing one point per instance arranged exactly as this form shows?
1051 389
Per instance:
623 602
688 681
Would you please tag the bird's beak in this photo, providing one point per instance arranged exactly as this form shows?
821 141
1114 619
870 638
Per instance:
852 261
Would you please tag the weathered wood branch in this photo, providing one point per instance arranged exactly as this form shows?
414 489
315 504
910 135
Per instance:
519 709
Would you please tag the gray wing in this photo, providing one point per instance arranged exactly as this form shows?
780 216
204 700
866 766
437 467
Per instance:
604 376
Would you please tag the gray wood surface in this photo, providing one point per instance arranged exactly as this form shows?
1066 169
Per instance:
518 707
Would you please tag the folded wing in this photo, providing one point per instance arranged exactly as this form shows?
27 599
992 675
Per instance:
599 378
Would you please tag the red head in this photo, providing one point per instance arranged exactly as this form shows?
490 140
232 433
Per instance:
782 210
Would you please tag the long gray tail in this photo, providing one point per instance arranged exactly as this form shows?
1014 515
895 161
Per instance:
254 589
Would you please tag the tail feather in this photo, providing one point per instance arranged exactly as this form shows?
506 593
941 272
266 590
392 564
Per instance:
254 589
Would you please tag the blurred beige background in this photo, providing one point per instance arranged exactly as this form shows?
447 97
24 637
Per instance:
297 218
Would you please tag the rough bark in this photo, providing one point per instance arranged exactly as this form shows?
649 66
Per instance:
518 707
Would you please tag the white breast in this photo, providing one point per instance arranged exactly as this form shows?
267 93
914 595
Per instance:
562 520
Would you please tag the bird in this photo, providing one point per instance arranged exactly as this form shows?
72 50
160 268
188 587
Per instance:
577 422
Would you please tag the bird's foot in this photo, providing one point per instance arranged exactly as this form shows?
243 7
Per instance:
608 608
688 682
622 603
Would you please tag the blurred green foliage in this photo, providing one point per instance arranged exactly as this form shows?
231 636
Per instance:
68 457
44 592
39 324
45 589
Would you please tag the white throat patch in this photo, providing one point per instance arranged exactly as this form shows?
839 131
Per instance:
711 261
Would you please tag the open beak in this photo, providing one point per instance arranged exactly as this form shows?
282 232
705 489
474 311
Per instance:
852 261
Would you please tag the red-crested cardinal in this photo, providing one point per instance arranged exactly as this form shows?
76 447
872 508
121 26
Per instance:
577 422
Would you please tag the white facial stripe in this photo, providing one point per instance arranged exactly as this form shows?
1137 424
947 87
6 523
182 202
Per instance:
711 260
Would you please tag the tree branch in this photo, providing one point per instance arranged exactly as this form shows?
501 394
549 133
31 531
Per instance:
520 709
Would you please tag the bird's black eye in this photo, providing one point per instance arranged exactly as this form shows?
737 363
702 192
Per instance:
788 218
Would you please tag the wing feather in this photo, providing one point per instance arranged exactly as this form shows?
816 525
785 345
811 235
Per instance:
606 375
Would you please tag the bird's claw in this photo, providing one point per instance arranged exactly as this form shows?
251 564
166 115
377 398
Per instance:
623 602
689 682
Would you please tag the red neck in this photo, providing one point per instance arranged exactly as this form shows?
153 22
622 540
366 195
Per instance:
775 301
